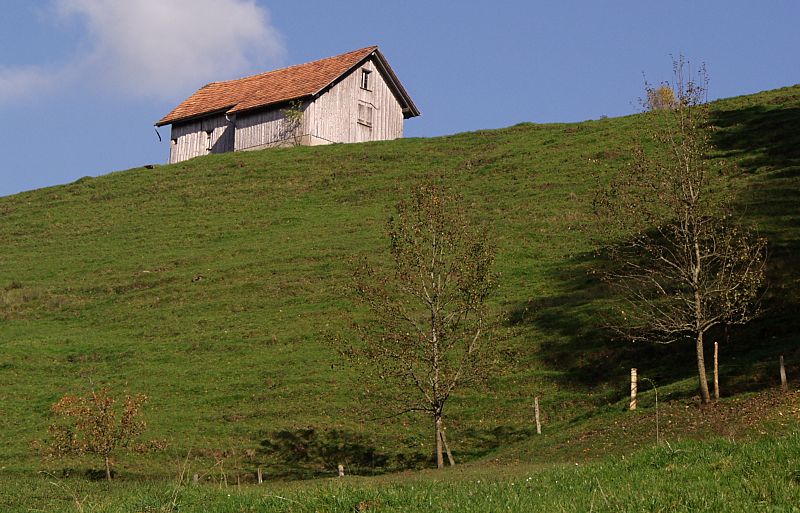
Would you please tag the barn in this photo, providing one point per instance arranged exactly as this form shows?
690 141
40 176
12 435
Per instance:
353 97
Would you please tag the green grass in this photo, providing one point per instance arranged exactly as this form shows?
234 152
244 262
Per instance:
211 286
690 476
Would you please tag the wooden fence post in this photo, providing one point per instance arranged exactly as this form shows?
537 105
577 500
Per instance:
447 448
784 385
716 370
633 388
536 412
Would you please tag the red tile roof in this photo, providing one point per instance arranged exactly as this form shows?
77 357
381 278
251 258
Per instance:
279 86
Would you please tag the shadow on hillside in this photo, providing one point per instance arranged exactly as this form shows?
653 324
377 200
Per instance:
310 453
766 142
587 353
474 443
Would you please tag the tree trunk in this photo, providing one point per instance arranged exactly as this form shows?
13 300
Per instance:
438 426
108 469
701 370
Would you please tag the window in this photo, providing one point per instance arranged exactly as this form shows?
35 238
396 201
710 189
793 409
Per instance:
208 140
365 114
365 79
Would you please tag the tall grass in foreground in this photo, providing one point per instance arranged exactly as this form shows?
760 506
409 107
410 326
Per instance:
720 475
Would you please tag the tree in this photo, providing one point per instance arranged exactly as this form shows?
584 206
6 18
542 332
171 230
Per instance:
687 265
92 425
429 308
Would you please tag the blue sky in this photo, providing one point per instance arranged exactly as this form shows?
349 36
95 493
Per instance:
83 81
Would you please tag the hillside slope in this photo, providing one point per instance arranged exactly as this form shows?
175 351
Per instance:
210 285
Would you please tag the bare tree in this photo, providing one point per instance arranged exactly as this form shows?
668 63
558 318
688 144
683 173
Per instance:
686 264
429 330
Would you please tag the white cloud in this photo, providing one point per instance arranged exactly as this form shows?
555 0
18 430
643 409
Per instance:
17 83
155 48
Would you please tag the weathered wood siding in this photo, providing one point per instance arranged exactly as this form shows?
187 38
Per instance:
189 140
265 129
333 117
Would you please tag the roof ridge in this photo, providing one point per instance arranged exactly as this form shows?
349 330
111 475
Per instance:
372 48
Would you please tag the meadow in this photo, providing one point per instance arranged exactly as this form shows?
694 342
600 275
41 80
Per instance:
213 286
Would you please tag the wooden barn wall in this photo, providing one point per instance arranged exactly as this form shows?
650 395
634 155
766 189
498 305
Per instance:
190 139
333 117
263 129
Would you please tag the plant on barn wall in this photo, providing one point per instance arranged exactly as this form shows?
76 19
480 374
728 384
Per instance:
292 124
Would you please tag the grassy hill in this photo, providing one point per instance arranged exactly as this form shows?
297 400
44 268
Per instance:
211 286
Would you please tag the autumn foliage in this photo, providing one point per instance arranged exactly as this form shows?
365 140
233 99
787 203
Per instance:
95 425
661 98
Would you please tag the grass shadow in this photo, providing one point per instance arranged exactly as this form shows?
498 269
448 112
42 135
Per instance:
764 141
591 356
480 443
579 342
311 453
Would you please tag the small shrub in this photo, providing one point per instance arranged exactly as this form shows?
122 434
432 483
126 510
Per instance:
661 98
93 425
